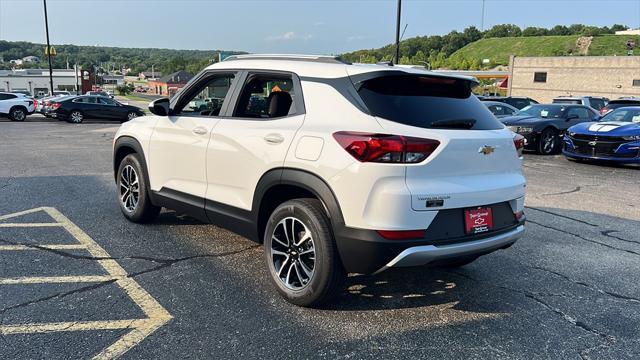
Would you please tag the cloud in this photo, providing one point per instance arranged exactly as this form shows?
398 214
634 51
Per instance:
289 35
355 38
318 23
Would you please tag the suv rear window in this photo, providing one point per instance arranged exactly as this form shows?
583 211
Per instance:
567 101
426 102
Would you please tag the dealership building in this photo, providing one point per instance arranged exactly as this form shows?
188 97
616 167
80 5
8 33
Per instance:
544 78
36 81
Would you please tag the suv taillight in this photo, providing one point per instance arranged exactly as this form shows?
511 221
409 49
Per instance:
603 111
518 141
382 148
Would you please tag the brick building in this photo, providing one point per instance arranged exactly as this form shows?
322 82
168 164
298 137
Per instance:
169 84
543 78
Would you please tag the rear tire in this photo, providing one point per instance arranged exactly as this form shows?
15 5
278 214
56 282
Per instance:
133 191
17 114
301 253
75 117
548 142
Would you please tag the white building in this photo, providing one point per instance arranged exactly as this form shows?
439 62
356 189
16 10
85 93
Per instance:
629 32
36 81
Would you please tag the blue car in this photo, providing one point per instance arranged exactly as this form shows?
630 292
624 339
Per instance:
616 137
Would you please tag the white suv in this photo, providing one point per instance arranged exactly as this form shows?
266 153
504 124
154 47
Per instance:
16 106
335 167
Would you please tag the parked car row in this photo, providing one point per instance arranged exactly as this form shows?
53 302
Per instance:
582 128
72 108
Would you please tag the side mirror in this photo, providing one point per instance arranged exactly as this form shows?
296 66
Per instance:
159 107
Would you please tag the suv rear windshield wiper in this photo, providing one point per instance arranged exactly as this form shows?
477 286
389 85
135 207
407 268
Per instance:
453 124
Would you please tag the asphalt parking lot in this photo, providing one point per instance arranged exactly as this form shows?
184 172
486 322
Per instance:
79 281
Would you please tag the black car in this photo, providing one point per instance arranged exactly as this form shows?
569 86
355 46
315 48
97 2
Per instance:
516 101
74 109
543 125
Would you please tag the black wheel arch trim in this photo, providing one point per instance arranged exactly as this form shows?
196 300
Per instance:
133 143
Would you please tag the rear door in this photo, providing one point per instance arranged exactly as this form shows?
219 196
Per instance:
254 136
178 147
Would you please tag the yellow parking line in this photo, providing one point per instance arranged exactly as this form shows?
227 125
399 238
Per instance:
52 247
72 326
140 328
56 279
29 225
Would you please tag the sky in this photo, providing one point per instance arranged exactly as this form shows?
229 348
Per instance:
301 26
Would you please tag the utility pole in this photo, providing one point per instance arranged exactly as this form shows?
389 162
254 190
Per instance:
397 58
482 23
46 27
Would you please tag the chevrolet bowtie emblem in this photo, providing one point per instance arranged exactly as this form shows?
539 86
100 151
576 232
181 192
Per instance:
486 149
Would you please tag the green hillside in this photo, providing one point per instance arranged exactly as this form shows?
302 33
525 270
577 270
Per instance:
498 50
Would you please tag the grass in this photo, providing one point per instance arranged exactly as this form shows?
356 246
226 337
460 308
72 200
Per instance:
498 50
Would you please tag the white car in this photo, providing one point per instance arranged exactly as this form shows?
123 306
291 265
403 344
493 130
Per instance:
336 168
16 106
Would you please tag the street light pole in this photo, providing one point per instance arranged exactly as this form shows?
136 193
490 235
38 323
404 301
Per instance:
482 23
397 58
46 27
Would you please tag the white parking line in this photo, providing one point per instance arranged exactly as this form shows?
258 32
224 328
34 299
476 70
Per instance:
157 315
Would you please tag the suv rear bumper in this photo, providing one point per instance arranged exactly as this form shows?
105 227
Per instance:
423 255
366 252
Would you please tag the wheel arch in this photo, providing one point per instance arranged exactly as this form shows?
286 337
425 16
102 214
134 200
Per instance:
124 146
283 184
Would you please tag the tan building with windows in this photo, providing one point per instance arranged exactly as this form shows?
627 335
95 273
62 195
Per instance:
544 78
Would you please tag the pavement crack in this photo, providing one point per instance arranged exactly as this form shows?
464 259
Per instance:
592 287
609 339
608 233
578 188
169 261
583 238
163 263
562 216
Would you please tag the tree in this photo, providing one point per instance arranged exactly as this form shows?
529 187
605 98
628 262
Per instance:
618 27
405 60
124 89
535 31
559 30
419 58
503 30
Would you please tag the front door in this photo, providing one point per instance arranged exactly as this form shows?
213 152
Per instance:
178 146
254 138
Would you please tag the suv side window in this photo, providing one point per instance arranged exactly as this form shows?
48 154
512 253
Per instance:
582 113
266 96
497 109
597 103
208 100
7 96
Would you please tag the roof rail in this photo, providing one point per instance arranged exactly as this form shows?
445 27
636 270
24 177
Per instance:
290 57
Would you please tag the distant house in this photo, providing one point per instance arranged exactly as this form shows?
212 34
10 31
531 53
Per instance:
16 61
113 79
31 59
149 75
168 85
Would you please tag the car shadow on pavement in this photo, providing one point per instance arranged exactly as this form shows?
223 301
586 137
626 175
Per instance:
411 288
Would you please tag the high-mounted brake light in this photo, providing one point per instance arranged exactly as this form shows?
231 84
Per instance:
518 142
382 148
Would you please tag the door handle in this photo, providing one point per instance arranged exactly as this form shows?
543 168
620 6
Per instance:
274 139
199 130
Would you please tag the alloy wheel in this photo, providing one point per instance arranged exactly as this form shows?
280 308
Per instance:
549 142
76 116
129 188
131 116
18 115
293 253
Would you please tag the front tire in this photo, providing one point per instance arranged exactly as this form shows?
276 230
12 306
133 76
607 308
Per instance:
133 191
301 253
548 142
131 115
17 114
